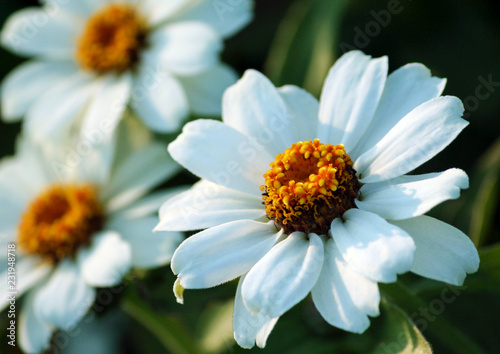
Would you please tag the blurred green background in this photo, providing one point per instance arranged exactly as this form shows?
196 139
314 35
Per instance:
296 42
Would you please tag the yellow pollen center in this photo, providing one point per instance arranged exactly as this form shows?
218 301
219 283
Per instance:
308 186
60 220
112 39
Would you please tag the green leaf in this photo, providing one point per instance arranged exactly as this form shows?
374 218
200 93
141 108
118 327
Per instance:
303 48
437 326
399 333
169 331
215 327
481 200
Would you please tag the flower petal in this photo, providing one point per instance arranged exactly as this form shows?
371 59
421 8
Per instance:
226 18
405 89
216 152
415 139
137 174
204 90
159 99
34 334
222 253
26 83
443 252
147 205
29 271
184 48
148 249
206 205
409 196
254 107
106 260
344 297
107 105
52 114
304 109
284 276
65 298
247 327
35 31
160 11
372 246
350 97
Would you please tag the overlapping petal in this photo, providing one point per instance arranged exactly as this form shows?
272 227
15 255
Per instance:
372 246
222 253
409 196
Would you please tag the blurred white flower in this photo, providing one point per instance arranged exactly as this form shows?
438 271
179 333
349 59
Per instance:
78 226
93 58
332 179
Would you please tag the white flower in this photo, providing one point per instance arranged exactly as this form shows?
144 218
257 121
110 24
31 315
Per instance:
93 58
343 217
79 222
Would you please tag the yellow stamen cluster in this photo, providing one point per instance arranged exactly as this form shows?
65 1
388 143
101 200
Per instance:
309 185
112 39
60 220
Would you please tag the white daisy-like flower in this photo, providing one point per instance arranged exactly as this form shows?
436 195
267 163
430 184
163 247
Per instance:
78 223
302 197
92 59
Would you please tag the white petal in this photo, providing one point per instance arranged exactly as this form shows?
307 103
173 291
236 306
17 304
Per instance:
52 114
344 297
405 89
33 31
372 246
409 196
350 97
81 8
208 204
204 90
443 252
222 253
184 48
95 156
226 17
159 11
415 139
29 272
109 99
66 297
137 174
148 249
159 99
106 260
216 152
247 327
26 83
34 334
304 109
254 107
284 276
147 205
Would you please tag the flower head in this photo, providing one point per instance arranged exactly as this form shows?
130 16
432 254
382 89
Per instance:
95 59
80 222
299 196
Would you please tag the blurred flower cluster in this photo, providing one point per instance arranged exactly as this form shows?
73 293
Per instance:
144 165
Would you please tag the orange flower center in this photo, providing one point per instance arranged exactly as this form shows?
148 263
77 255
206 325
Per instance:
60 220
112 39
308 186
